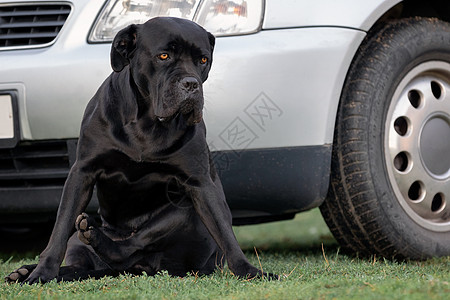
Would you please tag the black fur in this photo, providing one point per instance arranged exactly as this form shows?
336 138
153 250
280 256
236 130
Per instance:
142 143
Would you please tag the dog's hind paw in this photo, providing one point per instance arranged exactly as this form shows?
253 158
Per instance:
85 226
20 275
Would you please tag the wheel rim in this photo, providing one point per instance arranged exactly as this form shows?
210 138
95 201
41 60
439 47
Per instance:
417 145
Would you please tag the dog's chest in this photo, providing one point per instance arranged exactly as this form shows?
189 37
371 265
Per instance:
141 184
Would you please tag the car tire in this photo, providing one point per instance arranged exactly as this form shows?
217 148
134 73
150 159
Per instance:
389 190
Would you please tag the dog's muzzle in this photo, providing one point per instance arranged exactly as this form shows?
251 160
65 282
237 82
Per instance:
189 102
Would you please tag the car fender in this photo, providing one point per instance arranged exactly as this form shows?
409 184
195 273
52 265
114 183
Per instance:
293 13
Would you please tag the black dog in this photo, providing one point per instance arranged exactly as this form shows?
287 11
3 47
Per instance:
142 142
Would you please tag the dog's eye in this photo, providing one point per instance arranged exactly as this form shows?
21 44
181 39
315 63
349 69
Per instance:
163 56
204 60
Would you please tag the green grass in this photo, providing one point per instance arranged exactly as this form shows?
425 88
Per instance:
290 248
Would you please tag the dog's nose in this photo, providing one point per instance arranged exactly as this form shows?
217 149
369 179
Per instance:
190 84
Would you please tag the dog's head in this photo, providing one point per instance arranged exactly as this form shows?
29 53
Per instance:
169 59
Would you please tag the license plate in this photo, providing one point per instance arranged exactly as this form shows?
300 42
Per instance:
6 117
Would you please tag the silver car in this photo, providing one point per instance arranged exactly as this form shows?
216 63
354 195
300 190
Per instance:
339 104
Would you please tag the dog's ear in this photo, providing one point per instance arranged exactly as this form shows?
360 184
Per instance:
123 47
212 40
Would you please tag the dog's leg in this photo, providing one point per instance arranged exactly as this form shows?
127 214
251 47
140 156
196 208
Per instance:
76 195
210 204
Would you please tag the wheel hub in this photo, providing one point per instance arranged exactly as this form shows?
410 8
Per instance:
435 146
417 144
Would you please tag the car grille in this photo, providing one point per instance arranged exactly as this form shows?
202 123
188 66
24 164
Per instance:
36 164
34 25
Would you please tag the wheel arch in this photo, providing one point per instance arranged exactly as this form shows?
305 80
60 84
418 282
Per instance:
330 13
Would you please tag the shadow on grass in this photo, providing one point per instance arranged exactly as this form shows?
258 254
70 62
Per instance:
24 241
305 234
329 245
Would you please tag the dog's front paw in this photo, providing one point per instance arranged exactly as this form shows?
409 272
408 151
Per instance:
269 276
248 271
260 274
85 226
20 275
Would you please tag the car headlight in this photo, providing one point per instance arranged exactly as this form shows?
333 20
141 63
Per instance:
220 17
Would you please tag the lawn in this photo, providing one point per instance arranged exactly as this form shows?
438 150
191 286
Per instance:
301 250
